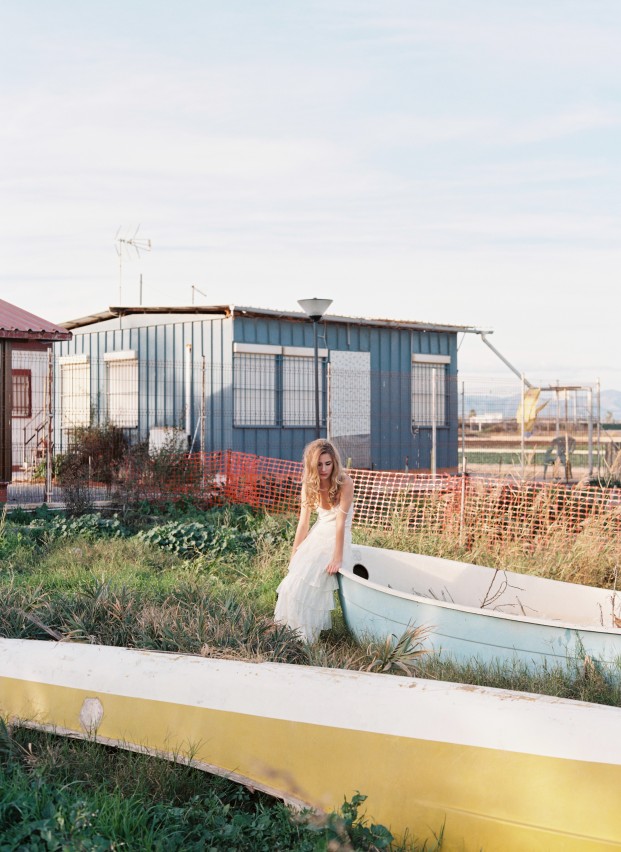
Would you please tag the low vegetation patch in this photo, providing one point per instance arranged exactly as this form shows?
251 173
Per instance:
177 578
59 794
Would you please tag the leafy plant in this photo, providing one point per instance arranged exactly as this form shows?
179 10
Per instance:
348 831
398 655
219 532
184 538
91 526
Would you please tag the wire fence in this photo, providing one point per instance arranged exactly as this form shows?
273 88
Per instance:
416 421
471 511
466 506
555 432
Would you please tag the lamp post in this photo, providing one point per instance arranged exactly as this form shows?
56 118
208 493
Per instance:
315 309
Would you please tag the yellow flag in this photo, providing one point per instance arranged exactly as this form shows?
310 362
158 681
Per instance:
530 410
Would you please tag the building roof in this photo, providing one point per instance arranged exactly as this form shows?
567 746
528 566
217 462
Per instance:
237 310
18 324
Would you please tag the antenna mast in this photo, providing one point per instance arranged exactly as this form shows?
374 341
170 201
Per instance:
196 290
126 244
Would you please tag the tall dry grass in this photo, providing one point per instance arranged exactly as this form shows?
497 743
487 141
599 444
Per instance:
586 552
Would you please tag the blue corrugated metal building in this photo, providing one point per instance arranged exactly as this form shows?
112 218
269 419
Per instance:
229 377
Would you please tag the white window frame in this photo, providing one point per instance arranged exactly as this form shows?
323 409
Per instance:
75 391
266 391
122 388
423 367
298 385
254 385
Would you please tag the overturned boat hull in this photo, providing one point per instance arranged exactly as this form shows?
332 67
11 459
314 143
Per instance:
494 769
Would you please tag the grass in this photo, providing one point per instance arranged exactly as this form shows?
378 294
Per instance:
58 794
61 794
218 600
205 584
591 556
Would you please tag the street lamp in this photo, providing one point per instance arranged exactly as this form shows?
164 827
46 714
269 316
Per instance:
315 309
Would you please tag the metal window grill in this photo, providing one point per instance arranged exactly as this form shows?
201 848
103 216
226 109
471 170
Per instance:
254 382
75 391
429 406
122 387
22 393
275 390
298 391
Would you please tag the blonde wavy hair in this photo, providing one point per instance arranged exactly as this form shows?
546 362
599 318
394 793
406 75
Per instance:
310 477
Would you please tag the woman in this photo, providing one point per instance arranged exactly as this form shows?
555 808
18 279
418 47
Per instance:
306 595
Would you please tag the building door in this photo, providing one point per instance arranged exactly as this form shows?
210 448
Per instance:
349 406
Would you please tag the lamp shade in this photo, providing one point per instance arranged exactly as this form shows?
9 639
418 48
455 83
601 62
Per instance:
315 308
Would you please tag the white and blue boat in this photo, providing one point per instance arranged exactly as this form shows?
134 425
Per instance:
474 613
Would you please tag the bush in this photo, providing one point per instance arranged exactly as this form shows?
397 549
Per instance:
100 449
74 475
94 455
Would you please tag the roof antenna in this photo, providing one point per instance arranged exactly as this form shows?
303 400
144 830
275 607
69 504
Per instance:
196 290
125 244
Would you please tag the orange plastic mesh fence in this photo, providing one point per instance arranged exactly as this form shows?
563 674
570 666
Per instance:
470 508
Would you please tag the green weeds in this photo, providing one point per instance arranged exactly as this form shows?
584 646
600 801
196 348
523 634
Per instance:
177 578
220 532
58 794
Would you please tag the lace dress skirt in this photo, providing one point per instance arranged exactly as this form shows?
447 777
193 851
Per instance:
306 595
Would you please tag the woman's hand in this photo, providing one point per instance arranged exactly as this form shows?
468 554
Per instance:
334 566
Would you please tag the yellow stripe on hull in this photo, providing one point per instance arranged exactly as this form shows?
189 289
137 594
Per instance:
486 798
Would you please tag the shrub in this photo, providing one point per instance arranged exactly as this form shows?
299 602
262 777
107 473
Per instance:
94 454
100 448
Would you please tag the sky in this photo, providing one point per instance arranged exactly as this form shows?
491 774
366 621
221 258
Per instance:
449 162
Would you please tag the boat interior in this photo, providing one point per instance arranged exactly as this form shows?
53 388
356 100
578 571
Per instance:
479 587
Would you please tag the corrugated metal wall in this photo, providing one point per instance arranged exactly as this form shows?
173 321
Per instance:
161 348
162 360
393 442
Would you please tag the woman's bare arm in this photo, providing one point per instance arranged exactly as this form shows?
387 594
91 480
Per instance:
303 522
347 496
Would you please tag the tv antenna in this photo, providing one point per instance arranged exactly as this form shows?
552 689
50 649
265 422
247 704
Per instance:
127 245
196 290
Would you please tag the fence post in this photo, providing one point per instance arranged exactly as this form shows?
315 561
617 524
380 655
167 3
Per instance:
201 427
188 395
49 408
434 435
599 431
463 428
462 507
590 427
522 436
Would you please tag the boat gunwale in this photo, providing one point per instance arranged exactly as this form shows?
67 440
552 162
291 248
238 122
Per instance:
548 622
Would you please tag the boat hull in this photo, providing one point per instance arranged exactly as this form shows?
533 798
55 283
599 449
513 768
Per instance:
376 608
495 769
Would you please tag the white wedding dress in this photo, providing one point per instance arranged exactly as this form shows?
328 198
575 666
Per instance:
306 595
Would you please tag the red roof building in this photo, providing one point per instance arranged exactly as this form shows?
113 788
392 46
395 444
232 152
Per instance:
19 330
17 324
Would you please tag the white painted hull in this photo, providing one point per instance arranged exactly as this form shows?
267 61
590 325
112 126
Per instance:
476 613
499 770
